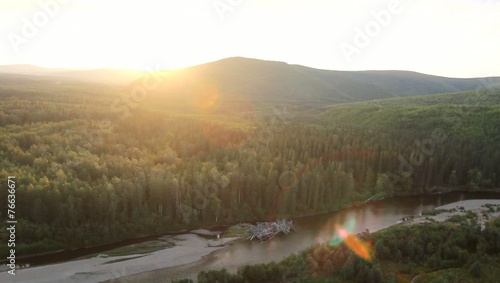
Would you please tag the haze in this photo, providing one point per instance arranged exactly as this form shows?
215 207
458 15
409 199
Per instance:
447 38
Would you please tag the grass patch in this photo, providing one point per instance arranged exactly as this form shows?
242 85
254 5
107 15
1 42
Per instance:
471 214
491 207
457 218
237 231
141 248
122 259
434 212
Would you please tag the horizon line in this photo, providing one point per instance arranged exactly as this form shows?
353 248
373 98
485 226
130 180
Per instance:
63 69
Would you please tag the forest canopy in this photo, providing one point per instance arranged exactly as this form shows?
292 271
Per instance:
87 174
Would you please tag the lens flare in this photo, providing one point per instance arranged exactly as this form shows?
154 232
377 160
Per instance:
342 232
337 238
204 96
358 246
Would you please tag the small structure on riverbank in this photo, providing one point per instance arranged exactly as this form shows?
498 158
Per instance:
265 231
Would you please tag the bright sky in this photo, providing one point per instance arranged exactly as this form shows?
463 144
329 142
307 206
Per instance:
455 38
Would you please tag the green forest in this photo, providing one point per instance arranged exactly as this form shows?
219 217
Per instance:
453 251
88 173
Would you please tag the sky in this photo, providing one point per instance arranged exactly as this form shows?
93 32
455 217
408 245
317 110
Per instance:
453 38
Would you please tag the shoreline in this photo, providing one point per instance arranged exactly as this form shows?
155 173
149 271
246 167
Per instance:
468 205
188 248
110 245
440 191
474 208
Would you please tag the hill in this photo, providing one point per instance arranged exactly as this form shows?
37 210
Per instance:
90 176
268 82
108 76
278 82
470 110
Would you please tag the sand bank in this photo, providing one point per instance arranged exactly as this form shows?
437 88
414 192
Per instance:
188 248
477 206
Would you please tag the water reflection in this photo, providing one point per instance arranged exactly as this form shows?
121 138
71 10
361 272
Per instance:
320 229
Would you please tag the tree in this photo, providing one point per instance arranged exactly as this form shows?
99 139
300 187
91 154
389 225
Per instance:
474 179
215 207
452 180
382 184
475 269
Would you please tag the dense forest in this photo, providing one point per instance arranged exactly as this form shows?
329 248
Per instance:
87 174
453 251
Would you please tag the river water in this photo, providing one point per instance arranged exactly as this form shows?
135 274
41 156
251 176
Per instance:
310 230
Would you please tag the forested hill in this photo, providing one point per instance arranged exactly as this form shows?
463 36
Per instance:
278 82
86 176
438 140
267 81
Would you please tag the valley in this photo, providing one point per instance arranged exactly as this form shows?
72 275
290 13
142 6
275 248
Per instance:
237 140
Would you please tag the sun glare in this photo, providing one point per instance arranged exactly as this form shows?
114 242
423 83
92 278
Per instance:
204 96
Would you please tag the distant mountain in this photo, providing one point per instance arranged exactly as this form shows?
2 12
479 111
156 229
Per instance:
24 69
111 76
267 81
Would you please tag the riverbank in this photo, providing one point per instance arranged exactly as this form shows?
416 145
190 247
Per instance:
480 210
375 215
186 249
54 257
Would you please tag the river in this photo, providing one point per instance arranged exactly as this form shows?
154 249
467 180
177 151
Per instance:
374 216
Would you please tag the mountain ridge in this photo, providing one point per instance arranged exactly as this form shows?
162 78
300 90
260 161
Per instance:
273 81
270 81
